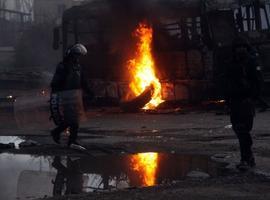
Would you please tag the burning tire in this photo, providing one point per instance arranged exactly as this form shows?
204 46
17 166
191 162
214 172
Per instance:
139 102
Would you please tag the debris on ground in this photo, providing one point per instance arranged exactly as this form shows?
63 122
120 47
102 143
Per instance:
198 175
28 143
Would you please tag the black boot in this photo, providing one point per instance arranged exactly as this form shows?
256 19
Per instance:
243 166
73 134
55 136
55 133
252 162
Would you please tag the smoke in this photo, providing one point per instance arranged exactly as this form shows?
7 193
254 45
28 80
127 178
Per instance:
123 18
126 15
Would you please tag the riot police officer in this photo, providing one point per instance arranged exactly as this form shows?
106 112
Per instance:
242 89
66 86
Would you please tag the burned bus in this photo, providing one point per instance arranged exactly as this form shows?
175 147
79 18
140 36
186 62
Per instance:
191 42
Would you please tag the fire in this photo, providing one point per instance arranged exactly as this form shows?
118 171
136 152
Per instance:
142 67
146 165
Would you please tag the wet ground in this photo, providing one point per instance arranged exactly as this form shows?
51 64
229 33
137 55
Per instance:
197 153
30 177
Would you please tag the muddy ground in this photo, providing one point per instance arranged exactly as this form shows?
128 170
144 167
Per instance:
207 133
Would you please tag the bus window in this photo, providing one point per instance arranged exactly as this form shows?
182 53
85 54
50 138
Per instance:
265 17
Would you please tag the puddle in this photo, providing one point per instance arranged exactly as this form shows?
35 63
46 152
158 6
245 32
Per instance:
29 177
11 139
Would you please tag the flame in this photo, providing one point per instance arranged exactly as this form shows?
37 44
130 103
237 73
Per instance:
142 67
146 165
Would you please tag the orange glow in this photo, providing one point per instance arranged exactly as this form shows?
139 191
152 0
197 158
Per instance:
142 67
146 165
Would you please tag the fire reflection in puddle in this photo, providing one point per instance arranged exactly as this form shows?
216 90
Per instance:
145 164
29 177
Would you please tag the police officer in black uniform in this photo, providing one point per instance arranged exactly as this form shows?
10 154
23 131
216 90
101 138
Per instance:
67 83
68 178
242 89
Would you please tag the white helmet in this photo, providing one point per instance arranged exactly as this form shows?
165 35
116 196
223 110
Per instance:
77 49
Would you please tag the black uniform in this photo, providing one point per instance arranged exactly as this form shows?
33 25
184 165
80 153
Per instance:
67 84
70 176
242 88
